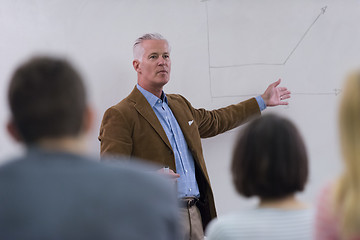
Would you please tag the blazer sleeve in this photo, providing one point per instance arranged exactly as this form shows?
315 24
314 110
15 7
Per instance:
211 123
115 133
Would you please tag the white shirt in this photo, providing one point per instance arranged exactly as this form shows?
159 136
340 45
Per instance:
263 223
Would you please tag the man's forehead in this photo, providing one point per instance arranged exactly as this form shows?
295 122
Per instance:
155 45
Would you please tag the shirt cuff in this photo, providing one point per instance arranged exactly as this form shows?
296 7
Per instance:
261 102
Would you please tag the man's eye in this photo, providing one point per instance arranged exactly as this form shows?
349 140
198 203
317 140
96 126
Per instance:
166 56
152 57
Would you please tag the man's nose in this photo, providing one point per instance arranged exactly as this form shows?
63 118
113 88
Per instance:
162 61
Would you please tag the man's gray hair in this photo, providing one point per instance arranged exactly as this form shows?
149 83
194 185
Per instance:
138 51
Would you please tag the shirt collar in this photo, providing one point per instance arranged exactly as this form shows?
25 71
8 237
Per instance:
151 98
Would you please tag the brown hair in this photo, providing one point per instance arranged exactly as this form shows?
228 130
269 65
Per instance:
47 99
269 159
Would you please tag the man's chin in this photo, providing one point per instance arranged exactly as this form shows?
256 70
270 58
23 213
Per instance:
164 80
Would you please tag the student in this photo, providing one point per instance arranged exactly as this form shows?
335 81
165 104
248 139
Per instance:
338 208
166 129
54 191
269 162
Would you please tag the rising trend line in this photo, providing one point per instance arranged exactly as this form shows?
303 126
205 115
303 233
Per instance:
322 12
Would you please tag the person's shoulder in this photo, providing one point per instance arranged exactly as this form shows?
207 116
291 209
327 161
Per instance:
134 168
178 99
229 219
127 163
123 104
141 181
273 215
241 215
11 163
125 101
265 215
129 103
124 107
174 96
219 228
257 222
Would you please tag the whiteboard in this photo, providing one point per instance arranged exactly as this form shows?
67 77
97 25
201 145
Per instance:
223 52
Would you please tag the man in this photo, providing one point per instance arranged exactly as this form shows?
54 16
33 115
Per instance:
166 129
54 191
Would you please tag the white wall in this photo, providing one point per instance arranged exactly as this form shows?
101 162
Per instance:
222 52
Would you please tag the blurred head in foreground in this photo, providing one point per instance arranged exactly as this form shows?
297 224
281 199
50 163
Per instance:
55 191
269 159
47 101
347 189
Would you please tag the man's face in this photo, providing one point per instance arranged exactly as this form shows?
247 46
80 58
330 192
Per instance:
155 65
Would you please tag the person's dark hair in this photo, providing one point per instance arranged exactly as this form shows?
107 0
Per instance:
269 159
47 99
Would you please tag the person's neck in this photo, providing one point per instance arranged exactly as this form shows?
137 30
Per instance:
289 202
156 91
76 145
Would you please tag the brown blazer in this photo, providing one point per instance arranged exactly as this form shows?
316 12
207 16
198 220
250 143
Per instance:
131 128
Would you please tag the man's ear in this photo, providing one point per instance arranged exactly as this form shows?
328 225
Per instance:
136 65
13 131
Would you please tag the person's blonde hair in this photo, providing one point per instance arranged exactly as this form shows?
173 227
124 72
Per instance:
347 191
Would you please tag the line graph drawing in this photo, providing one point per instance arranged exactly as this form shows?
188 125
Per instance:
322 12
281 63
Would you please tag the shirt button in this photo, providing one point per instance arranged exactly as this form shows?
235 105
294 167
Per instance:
186 171
189 189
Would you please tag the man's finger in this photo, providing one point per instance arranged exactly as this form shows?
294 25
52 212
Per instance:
275 84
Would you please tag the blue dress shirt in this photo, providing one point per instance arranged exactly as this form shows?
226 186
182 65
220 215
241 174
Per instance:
185 166
261 102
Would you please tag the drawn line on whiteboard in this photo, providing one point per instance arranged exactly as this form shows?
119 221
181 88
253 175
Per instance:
249 64
335 92
208 42
322 12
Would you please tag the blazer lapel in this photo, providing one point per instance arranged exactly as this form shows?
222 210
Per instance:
185 122
144 109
